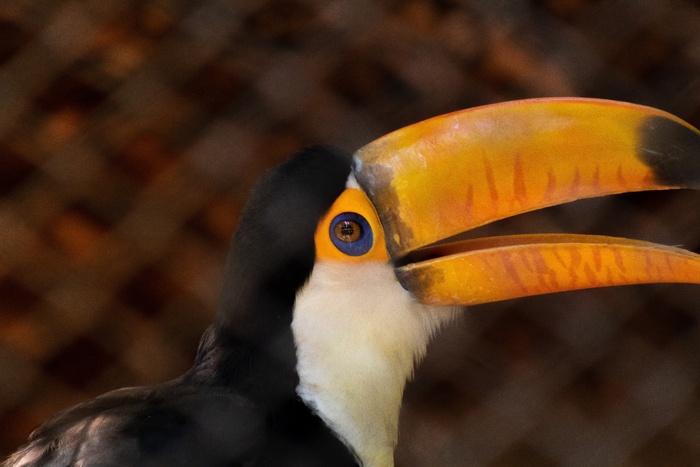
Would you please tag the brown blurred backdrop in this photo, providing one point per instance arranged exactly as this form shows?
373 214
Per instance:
132 131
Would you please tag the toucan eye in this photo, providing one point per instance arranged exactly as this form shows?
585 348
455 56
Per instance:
351 234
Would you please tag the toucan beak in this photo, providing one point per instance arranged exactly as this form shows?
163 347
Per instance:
439 178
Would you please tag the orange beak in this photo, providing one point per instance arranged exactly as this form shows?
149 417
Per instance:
442 177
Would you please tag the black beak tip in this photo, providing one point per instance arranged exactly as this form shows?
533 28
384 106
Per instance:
671 150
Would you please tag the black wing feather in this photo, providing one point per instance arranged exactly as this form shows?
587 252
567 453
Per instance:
167 425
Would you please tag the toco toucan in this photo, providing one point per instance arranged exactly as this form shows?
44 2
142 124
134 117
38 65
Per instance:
343 267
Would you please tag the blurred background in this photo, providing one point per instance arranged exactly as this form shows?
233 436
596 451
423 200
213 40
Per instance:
132 131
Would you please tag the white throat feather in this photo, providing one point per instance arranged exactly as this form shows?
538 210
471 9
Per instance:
358 335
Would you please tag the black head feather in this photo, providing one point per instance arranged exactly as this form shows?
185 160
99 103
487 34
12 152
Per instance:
271 257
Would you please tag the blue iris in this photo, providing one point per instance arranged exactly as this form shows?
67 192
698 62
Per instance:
351 234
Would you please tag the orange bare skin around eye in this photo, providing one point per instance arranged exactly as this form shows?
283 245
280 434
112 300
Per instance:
351 200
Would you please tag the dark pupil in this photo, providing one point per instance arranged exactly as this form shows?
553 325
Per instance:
347 231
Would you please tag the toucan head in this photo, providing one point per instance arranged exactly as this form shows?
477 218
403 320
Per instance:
391 269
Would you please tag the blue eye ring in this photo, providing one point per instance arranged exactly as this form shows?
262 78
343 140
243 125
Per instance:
351 234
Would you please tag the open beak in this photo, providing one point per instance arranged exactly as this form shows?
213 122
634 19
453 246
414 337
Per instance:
439 178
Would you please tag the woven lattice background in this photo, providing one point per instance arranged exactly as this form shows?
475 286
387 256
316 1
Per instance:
132 131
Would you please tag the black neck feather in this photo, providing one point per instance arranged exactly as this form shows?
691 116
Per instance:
250 346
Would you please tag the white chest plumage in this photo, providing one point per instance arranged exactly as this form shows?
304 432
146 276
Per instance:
358 335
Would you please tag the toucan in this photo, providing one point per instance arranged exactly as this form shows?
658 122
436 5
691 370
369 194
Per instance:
343 267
